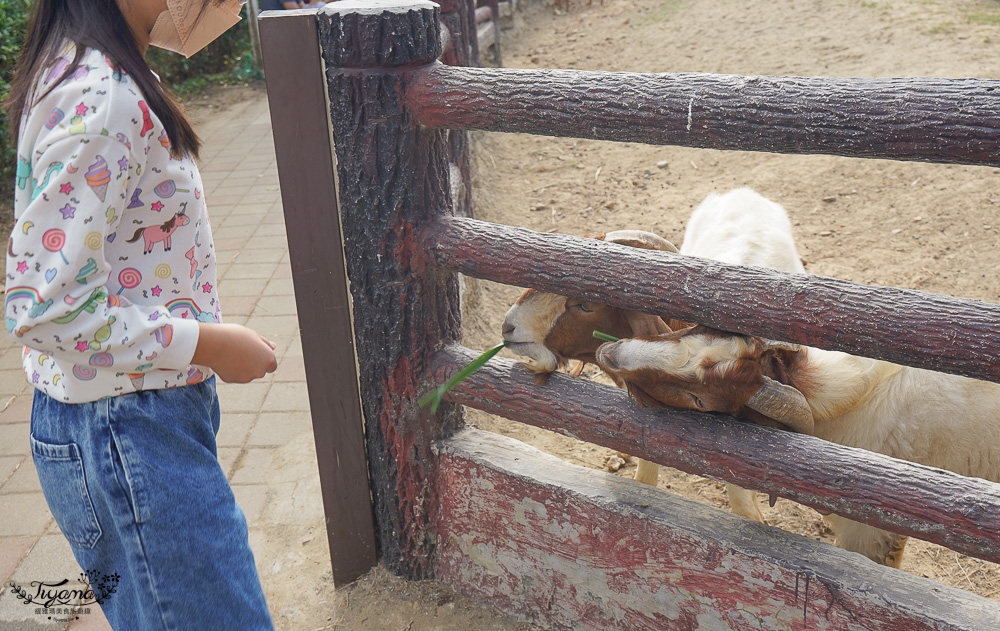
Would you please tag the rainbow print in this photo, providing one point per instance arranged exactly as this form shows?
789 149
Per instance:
187 303
17 293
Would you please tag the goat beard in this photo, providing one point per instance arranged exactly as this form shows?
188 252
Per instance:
542 373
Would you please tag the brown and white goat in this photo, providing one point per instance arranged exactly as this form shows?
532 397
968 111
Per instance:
551 329
739 227
940 420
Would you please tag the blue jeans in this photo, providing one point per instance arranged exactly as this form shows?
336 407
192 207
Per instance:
135 485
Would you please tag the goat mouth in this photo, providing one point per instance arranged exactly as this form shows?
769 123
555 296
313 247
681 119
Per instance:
605 358
543 358
513 346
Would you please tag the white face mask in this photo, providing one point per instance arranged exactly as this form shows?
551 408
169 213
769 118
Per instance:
187 26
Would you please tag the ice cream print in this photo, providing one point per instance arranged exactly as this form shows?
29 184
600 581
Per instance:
98 176
101 315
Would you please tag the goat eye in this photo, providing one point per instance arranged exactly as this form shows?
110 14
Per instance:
582 306
697 401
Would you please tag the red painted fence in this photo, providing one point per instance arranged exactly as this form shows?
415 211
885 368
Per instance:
564 546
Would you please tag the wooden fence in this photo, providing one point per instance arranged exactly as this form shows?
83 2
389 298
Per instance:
375 247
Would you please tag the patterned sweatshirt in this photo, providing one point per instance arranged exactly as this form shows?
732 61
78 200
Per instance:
110 265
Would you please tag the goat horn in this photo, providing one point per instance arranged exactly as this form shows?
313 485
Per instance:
784 404
771 345
640 239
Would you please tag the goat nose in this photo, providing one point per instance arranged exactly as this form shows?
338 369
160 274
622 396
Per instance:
508 328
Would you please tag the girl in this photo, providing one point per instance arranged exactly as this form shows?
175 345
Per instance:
111 288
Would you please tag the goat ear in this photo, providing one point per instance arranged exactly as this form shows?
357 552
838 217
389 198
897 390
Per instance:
645 324
640 239
640 396
678 325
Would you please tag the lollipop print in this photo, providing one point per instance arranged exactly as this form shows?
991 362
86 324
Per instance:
98 177
55 117
84 373
167 188
53 240
128 278
93 240
102 360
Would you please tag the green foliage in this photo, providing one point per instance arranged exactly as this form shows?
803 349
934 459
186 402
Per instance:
226 60
13 21
222 61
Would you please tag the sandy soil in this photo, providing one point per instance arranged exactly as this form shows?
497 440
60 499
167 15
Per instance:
929 227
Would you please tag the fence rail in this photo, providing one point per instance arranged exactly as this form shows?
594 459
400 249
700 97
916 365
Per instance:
904 326
392 111
865 118
939 506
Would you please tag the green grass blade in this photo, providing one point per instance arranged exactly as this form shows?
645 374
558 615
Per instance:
605 337
434 396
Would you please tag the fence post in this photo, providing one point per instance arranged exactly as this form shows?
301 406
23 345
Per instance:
464 49
301 129
458 17
393 179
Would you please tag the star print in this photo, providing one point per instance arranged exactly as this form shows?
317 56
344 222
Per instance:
82 346
157 206
154 316
81 109
123 163
207 288
67 211
156 290
22 266
66 188
35 376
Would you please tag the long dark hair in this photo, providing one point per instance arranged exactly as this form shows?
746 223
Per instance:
95 24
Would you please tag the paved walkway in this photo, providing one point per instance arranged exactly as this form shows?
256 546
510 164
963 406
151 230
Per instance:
265 443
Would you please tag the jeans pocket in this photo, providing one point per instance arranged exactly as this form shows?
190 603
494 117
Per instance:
60 471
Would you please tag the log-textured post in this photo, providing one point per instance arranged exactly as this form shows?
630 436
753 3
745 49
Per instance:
393 178
494 6
301 128
458 16
458 20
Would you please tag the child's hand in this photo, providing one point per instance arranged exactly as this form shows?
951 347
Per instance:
236 354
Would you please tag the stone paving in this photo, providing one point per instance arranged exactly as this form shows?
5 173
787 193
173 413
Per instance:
265 441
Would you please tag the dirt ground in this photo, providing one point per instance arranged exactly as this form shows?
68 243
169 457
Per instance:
928 227
921 226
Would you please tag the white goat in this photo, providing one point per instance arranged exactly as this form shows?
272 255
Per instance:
742 228
739 227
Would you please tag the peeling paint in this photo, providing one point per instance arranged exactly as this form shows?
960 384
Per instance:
573 558
486 485
479 553
520 510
